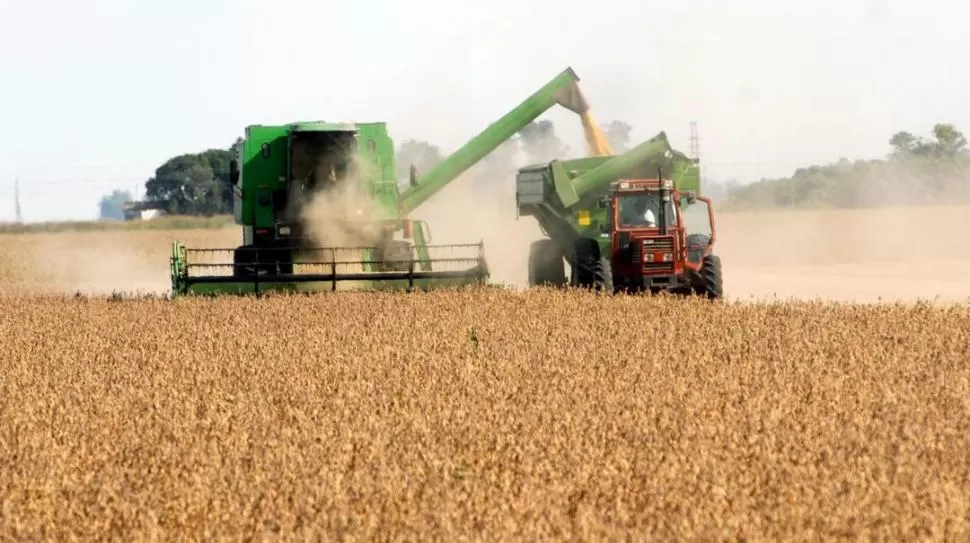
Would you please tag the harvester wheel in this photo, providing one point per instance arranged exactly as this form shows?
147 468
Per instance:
246 260
710 283
546 265
396 255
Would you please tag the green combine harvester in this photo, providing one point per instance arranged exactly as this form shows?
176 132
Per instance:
630 222
320 205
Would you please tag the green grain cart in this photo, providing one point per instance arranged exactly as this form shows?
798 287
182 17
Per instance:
584 205
320 205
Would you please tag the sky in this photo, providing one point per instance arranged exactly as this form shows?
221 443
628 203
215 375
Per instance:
97 94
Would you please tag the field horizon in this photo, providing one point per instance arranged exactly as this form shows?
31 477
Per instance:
865 255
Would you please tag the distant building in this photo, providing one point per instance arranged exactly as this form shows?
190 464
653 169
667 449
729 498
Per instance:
140 211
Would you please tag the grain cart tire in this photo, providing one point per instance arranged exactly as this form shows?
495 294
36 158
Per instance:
710 283
546 265
586 254
603 276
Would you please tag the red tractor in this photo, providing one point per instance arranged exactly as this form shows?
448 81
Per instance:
660 239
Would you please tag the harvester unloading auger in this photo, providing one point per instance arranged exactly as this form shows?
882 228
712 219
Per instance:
319 204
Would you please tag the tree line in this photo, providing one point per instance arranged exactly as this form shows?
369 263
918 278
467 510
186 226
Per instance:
917 171
198 183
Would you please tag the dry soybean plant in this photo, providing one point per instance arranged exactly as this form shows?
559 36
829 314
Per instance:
482 414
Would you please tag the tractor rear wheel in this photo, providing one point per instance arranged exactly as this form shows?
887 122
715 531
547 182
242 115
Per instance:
546 265
603 276
709 281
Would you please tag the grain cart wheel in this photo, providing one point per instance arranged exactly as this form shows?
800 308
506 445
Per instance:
586 253
546 265
710 283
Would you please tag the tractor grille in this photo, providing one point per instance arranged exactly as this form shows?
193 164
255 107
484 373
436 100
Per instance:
658 245
658 268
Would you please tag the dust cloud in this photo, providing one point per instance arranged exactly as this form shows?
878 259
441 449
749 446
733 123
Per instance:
897 254
480 206
339 216
87 263
471 211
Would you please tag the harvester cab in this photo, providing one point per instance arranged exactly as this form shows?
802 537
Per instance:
660 239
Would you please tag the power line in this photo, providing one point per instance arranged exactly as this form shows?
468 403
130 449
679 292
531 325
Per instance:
16 201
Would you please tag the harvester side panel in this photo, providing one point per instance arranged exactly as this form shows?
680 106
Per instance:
377 167
264 158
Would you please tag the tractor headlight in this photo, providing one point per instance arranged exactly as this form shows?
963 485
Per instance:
284 230
668 257
648 257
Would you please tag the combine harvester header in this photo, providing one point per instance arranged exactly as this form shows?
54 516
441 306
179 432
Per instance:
319 204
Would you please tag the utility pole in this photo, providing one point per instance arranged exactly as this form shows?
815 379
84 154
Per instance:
695 142
16 201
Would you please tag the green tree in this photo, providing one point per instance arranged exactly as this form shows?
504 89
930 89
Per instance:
193 184
917 171
904 142
112 205
950 142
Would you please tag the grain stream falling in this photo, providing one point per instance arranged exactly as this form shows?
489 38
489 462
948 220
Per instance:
482 414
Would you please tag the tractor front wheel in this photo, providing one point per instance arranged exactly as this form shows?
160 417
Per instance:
709 281
590 269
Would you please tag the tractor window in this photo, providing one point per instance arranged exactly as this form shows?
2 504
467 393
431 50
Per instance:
696 219
642 210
